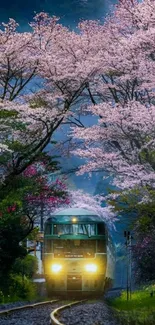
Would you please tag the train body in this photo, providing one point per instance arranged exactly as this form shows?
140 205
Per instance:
78 253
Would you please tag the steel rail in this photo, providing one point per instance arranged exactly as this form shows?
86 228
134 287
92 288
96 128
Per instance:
7 311
54 320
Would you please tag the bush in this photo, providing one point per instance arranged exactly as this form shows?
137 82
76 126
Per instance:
1 297
17 284
21 287
27 266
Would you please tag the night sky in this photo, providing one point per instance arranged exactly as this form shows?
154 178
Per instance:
70 11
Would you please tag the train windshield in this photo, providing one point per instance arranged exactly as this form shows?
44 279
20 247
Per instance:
74 229
75 248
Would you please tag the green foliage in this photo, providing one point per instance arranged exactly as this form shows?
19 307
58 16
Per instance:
38 102
4 158
15 146
26 267
1 297
126 201
17 224
130 206
21 288
148 155
139 299
14 225
31 265
34 234
140 310
16 191
138 207
17 284
18 288
144 223
11 234
7 114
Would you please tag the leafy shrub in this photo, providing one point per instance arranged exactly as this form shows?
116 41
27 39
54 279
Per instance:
27 266
21 287
1 297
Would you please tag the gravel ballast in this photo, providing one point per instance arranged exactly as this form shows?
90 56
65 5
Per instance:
11 305
33 316
93 313
89 313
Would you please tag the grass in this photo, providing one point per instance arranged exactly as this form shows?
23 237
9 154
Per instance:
140 310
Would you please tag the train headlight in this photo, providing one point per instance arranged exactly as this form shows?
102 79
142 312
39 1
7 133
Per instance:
56 268
91 267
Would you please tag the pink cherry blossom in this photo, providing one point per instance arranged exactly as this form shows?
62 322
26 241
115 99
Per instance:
122 93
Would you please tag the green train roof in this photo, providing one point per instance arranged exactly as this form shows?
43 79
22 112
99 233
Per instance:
83 215
75 211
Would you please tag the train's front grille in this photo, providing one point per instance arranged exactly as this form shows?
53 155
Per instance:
76 255
74 282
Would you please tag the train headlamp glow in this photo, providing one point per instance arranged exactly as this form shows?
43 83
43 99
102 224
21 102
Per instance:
56 268
91 267
74 219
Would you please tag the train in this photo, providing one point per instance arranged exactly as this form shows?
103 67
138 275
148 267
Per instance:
78 253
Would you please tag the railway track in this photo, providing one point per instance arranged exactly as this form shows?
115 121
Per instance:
60 312
11 310
43 313
55 314
30 314
84 312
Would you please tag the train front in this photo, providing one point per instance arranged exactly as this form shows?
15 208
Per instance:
75 252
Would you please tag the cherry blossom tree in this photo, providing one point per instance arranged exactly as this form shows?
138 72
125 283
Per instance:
48 195
80 199
107 64
122 143
57 59
123 98
111 65
33 191
29 201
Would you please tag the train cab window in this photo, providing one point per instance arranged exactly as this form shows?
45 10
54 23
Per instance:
48 246
100 229
48 229
87 230
101 246
55 230
74 229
